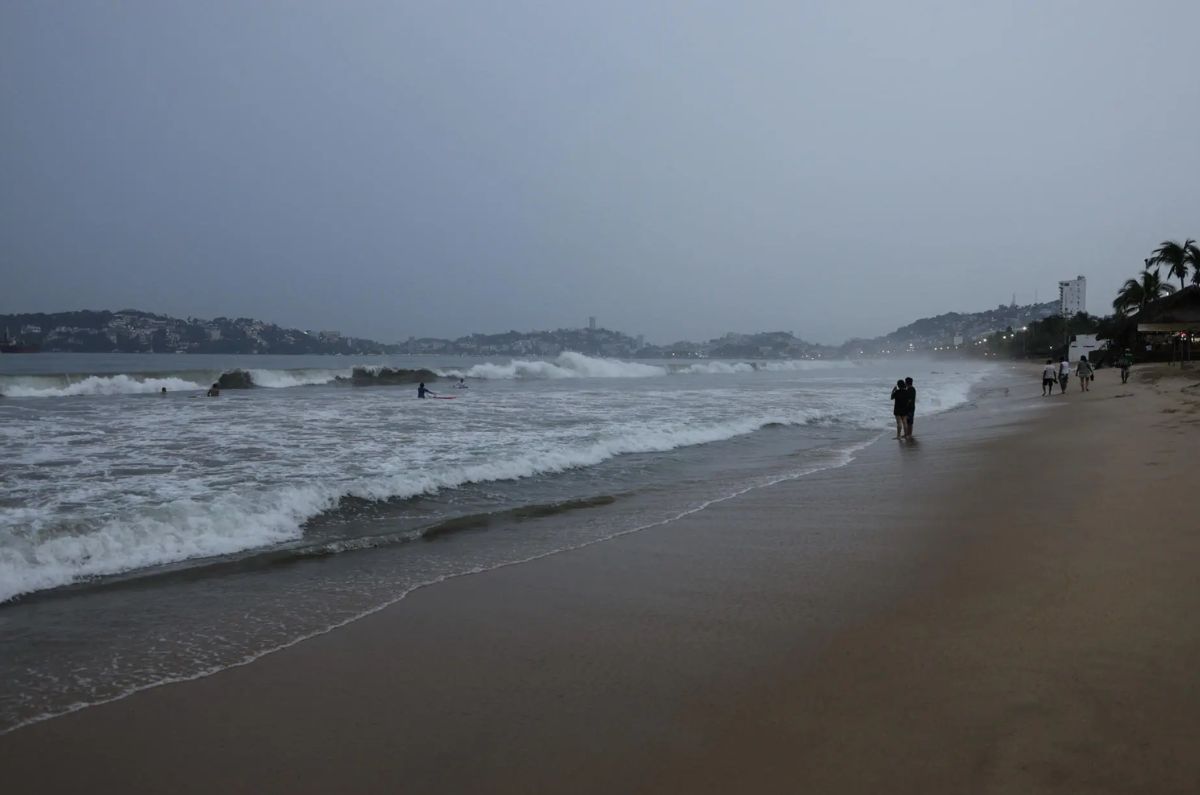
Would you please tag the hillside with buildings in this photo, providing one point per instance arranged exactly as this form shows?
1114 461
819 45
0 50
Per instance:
132 331
950 330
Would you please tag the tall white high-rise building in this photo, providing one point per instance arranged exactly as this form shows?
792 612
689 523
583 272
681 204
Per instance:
592 322
1072 297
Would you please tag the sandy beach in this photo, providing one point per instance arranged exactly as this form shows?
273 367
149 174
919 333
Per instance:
1006 605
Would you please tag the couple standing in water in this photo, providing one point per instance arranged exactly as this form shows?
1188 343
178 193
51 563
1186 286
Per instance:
904 401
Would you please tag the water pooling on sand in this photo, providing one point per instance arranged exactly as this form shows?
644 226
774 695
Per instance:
147 538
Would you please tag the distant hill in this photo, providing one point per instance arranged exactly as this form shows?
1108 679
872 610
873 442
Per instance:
942 330
133 331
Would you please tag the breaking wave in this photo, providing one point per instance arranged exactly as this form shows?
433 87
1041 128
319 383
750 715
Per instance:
237 521
565 365
282 379
67 386
577 365
74 385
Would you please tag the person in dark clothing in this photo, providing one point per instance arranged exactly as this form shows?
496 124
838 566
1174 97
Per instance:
422 391
1125 362
899 406
911 406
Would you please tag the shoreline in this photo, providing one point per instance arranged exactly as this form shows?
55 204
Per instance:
638 664
834 456
848 453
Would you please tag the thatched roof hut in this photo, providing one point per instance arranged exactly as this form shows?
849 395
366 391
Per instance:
1177 312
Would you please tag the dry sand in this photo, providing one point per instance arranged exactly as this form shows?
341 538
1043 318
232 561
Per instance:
1008 605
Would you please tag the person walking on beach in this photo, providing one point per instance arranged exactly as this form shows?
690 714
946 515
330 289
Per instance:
900 406
910 392
1125 362
1064 375
1084 373
1049 377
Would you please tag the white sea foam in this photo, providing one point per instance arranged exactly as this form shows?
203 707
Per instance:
190 528
180 530
282 379
62 386
836 458
565 365
802 365
577 365
178 479
50 386
718 368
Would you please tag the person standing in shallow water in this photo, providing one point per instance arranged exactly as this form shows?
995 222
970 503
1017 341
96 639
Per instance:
899 406
422 391
910 393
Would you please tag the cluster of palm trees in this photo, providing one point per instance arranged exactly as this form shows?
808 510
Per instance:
1180 259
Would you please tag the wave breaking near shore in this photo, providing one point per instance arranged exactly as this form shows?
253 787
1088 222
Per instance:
564 366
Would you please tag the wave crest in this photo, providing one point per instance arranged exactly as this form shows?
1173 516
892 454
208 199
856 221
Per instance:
565 365
63 386
234 522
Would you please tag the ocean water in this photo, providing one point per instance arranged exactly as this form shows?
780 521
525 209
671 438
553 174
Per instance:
148 538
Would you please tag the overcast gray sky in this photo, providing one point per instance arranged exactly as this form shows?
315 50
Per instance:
677 169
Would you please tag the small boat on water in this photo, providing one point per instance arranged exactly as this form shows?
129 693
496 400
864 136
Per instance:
10 344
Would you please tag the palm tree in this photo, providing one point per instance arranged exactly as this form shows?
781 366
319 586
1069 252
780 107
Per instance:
1136 293
1178 258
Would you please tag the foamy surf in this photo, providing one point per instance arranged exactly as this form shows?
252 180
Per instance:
567 365
146 540
66 386
577 365
197 668
37 552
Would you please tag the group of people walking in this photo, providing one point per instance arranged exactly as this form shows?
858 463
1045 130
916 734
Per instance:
904 402
1061 374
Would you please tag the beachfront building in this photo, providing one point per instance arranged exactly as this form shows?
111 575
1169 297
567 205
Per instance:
1172 322
1072 297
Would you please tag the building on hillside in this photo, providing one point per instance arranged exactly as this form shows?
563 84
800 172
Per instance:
1072 297
591 322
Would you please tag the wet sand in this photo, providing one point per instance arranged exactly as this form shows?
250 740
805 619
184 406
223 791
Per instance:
1007 605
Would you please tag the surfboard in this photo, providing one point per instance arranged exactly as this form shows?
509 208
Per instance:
443 397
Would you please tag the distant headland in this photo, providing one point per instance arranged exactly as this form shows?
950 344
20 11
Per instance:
134 331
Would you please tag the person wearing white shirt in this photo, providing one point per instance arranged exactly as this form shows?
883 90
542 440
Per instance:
1049 377
1064 374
